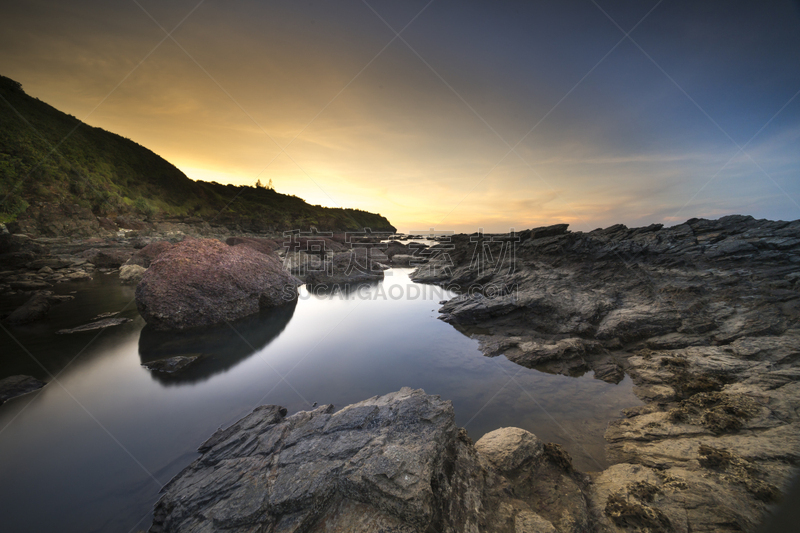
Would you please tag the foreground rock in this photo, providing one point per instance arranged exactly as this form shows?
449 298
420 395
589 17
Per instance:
394 463
14 386
705 318
201 282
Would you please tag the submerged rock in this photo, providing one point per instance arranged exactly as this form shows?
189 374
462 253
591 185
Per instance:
100 324
172 364
393 463
202 282
14 386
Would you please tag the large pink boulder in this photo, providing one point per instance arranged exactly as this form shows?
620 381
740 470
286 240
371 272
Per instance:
202 282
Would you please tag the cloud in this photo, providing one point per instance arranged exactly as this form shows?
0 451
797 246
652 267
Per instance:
378 128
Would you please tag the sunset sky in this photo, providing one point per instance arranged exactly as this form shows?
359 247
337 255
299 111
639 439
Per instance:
478 115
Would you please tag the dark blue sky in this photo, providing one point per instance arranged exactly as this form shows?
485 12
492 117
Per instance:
482 114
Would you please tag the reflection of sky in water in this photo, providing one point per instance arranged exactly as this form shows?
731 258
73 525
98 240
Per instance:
57 458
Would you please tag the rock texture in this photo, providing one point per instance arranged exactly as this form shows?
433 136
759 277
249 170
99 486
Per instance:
201 282
131 274
704 316
394 463
147 254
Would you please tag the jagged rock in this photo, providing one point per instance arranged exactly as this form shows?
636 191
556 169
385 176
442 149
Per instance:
202 282
131 274
391 463
703 316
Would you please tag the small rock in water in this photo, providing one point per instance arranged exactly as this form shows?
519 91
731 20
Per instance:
172 364
100 324
131 274
14 386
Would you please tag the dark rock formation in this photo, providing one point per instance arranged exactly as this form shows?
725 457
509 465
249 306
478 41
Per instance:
202 282
107 257
18 250
14 386
35 308
355 266
55 219
704 316
171 365
394 463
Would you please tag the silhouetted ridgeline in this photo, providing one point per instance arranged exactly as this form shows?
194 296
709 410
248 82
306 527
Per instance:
111 176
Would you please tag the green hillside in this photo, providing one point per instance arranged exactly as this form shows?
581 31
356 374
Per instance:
113 175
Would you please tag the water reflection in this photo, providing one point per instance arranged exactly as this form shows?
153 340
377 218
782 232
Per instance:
218 348
348 290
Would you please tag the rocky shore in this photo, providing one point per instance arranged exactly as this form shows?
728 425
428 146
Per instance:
704 318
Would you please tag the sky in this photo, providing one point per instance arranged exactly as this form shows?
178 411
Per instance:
456 115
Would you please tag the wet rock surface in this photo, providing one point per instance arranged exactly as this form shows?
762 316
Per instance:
200 282
704 318
394 463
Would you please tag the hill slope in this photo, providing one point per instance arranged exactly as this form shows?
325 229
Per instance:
112 175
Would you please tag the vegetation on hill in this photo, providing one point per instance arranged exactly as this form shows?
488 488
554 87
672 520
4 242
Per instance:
50 156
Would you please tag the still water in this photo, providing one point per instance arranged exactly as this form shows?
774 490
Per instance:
90 451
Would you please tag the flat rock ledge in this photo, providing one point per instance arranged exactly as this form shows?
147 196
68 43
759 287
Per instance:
395 463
